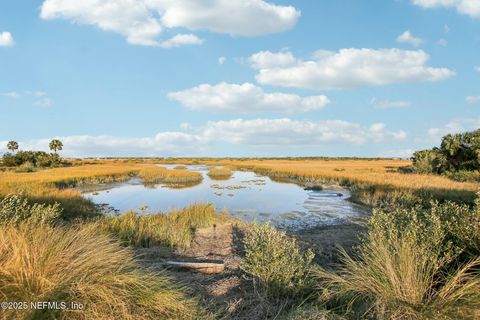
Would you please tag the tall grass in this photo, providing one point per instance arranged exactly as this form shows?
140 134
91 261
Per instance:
152 175
409 268
220 173
86 267
173 229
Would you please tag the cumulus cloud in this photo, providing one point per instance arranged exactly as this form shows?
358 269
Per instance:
472 99
288 132
477 69
408 37
389 104
467 7
142 21
280 133
243 98
6 39
180 40
348 68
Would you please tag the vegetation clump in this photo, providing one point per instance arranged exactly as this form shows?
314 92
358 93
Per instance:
174 229
220 173
155 174
414 263
458 157
276 262
83 266
28 160
16 210
38 159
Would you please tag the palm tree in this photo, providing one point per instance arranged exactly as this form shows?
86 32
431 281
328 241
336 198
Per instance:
12 145
56 145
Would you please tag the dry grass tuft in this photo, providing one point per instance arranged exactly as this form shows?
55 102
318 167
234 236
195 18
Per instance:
152 175
84 266
220 173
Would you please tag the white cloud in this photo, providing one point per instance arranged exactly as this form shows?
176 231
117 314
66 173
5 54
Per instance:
43 102
400 153
477 69
180 40
239 132
288 132
472 99
142 21
348 68
467 7
407 37
389 104
243 98
454 126
267 59
222 60
11 94
442 42
163 143
6 39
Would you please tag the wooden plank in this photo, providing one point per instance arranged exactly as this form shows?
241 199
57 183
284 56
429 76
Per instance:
203 267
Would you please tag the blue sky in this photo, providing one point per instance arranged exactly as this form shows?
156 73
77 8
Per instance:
238 78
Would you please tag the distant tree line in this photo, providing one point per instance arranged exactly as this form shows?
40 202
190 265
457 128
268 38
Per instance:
458 157
33 158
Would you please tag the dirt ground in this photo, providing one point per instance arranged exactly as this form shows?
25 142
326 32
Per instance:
230 294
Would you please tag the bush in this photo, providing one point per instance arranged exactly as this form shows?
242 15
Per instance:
457 152
408 267
464 175
275 260
25 167
35 158
428 161
81 265
15 210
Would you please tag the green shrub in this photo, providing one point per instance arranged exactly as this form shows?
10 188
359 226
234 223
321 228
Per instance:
408 266
464 175
35 158
15 209
275 260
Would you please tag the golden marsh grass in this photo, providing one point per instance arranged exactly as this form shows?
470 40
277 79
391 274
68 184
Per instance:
220 173
82 265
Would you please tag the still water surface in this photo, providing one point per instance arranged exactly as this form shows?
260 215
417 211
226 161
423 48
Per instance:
245 195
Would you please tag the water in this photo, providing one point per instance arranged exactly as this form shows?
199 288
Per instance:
246 196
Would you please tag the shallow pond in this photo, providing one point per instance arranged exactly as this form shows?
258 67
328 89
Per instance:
245 195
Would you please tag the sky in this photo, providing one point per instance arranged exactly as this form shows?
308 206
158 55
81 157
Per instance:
243 78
